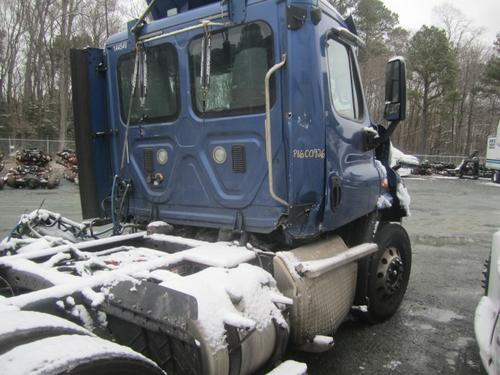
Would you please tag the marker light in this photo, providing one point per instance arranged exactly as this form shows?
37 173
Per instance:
219 154
162 156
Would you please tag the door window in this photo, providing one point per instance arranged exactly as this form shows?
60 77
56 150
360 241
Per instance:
345 89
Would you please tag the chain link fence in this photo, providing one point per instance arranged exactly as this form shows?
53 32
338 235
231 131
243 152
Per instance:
9 146
446 159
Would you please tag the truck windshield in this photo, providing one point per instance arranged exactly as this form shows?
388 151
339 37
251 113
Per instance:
162 83
240 58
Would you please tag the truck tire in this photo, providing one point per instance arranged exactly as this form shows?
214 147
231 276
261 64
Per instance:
22 327
11 181
496 177
75 355
52 182
389 272
32 182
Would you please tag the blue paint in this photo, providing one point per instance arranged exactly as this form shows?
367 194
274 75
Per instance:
100 124
197 191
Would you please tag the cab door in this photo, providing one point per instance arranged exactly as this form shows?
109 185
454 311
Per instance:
92 131
353 182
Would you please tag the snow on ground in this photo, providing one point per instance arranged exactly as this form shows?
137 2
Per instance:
435 314
490 184
392 365
290 368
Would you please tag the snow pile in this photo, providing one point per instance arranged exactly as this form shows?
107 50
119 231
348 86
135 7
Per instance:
291 261
404 197
5 307
323 340
157 224
50 275
244 297
393 365
175 239
218 254
384 201
95 299
130 256
56 259
26 245
290 368
372 131
81 313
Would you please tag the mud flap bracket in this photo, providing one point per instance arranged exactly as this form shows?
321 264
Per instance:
153 306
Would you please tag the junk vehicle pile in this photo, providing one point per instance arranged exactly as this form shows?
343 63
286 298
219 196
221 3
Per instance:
68 159
32 171
228 149
469 168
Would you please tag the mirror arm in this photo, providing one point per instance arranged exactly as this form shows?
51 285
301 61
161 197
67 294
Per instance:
142 19
390 129
371 142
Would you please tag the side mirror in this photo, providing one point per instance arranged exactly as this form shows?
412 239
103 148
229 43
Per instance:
395 90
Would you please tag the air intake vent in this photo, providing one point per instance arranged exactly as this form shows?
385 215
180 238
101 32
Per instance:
238 155
148 161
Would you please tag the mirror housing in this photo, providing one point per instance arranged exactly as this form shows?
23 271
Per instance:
395 90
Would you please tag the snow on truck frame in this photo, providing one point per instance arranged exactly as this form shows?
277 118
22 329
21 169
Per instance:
227 148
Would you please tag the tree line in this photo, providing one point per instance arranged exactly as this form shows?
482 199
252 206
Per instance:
453 77
35 39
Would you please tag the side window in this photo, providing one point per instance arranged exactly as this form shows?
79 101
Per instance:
162 95
343 81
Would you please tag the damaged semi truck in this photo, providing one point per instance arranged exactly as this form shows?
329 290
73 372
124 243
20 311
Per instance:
228 149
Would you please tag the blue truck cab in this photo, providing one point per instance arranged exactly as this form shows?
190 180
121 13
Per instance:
171 120
211 123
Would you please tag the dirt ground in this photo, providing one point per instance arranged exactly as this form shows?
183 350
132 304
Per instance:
451 227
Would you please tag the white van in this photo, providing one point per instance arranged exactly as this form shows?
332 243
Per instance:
493 155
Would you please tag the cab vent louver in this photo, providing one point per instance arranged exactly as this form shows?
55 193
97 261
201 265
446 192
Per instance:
148 161
238 155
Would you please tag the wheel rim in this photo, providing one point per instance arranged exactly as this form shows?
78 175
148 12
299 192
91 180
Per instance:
390 273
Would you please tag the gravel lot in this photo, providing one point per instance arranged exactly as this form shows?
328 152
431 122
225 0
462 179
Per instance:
14 202
451 227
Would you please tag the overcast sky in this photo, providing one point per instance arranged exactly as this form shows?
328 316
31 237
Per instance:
415 13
